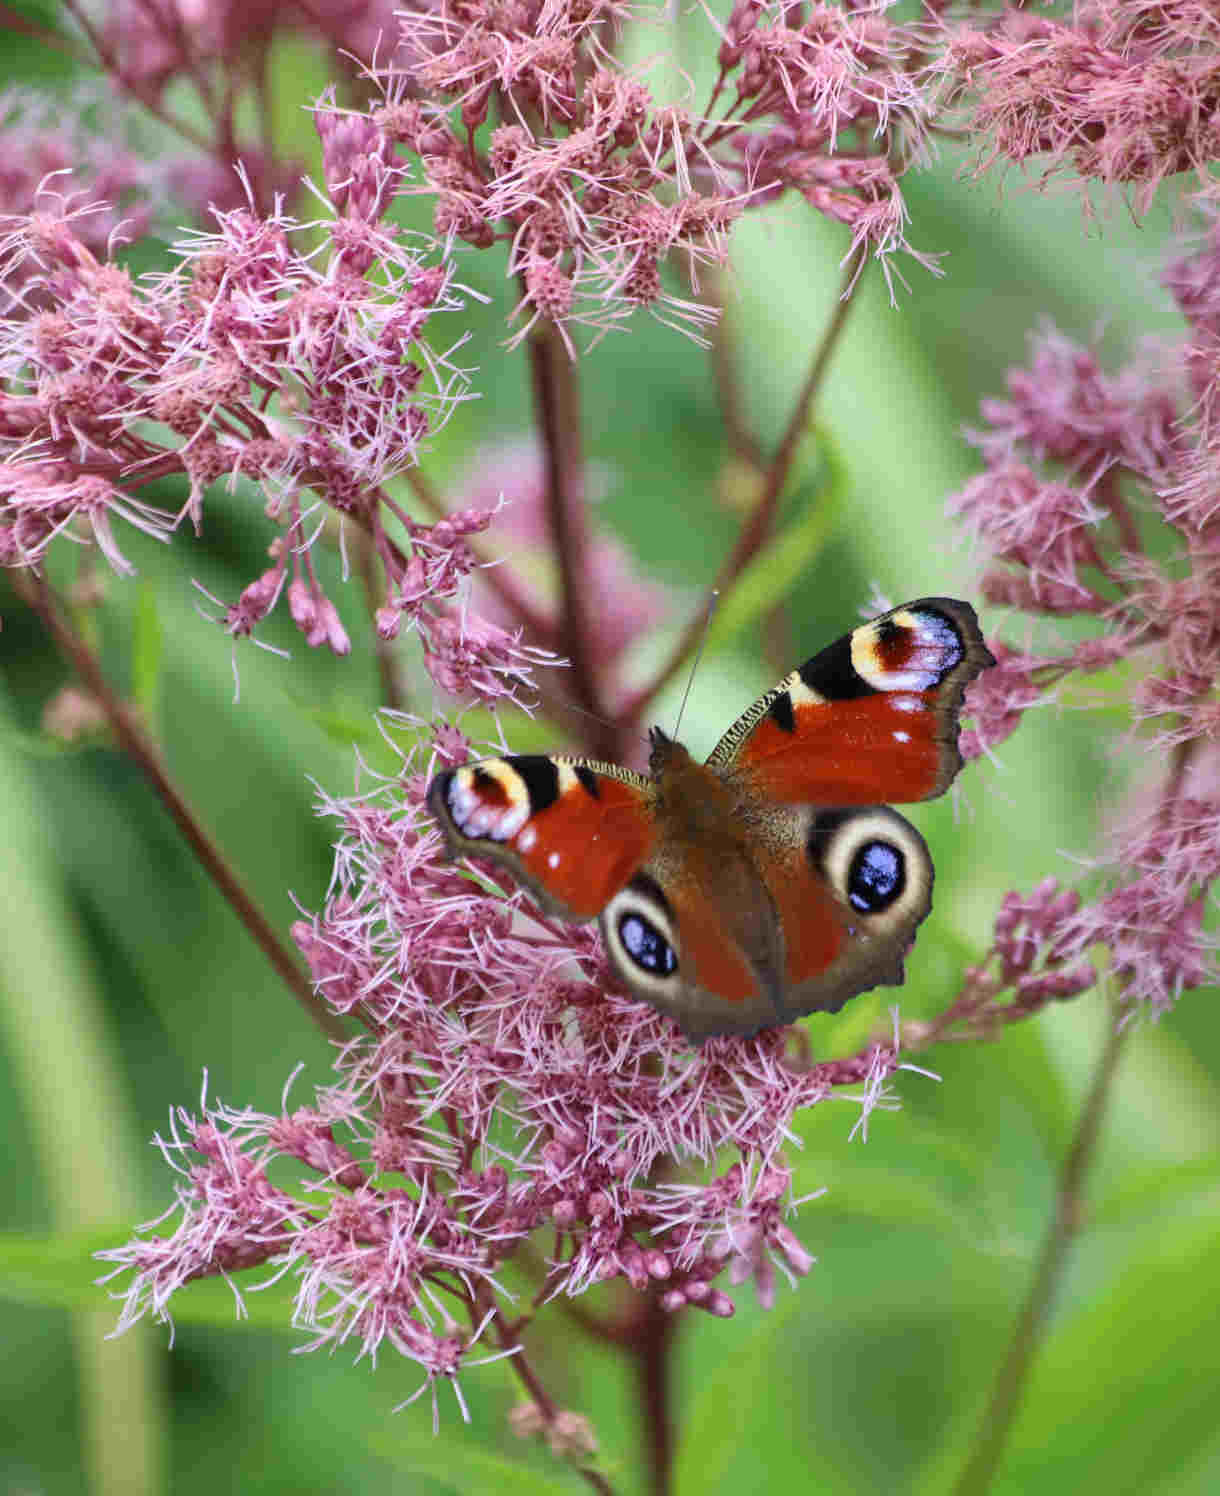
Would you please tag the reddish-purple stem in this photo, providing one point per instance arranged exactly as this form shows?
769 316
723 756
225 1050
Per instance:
655 1367
143 95
509 1337
1009 1388
556 403
136 743
754 532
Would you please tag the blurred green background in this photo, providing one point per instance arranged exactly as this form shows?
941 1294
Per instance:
123 976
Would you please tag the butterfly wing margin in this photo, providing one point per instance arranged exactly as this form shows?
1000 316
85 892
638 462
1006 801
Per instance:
871 719
572 830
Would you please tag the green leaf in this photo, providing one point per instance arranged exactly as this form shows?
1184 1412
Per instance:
345 727
1159 1190
42 14
1182 1122
731 1393
352 725
55 1270
1125 1393
465 1467
1200 1476
299 72
147 654
774 572
39 745
29 59
885 1194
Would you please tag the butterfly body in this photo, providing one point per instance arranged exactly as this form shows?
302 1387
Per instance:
770 881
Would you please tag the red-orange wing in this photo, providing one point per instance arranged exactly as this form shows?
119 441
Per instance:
573 832
850 887
871 719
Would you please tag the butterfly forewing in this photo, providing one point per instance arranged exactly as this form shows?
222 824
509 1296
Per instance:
572 830
871 719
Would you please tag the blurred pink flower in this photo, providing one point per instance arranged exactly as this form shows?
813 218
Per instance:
153 41
1116 91
628 605
53 165
1131 444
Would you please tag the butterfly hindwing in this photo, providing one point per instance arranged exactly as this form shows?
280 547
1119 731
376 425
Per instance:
827 908
694 931
674 948
571 830
871 719
850 888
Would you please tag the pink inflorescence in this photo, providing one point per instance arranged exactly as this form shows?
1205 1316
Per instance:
1152 920
297 356
1038 954
1117 92
593 183
1081 468
151 46
52 160
505 1090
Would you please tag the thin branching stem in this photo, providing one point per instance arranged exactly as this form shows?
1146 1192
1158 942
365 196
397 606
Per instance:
370 581
136 742
556 403
498 579
743 443
143 96
757 527
1009 1388
509 1338
655 1381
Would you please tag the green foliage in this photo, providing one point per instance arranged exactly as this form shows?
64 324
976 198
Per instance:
60 1271
459 1465
1138 1371
147 652
780 564
869 1374
37 45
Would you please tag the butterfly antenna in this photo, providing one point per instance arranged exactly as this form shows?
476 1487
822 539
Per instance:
583 711
690 679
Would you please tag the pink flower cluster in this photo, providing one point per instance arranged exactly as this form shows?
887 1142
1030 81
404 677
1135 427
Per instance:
1082 469
1122 91
49 159
305 360
505 1092
1152 920
1034 939
1036 958
301 357
593 184
152 45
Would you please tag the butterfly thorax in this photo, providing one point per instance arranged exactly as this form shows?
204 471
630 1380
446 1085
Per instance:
694 804
704 847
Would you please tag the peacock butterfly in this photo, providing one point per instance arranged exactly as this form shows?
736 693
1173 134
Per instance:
768 882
